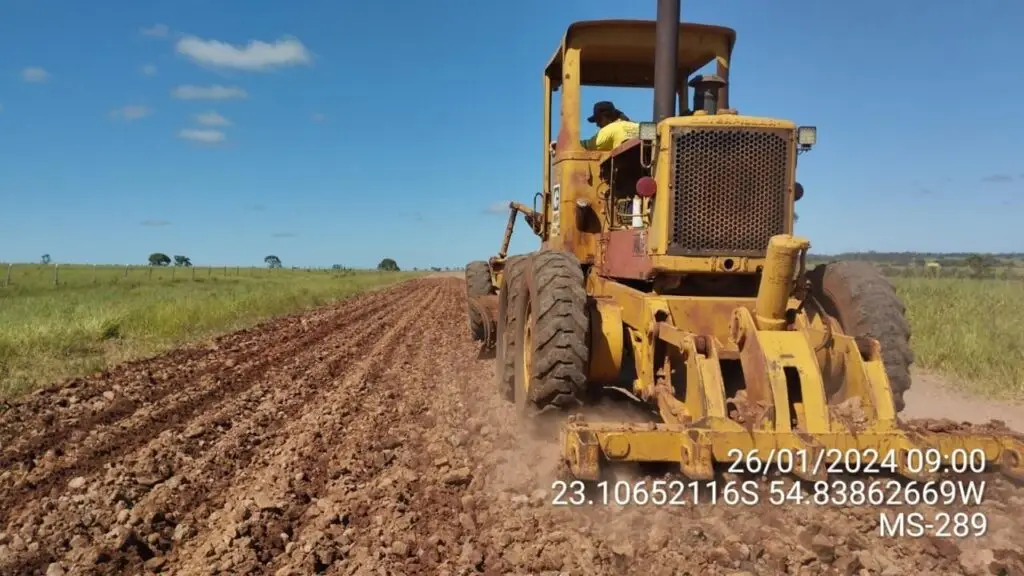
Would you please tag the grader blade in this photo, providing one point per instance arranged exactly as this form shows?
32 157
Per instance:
697 449
784 421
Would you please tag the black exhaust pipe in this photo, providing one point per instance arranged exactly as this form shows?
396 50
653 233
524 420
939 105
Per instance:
666 59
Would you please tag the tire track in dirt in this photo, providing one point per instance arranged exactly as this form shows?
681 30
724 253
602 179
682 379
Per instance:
372 517
382 447
182 399
78 396
270 507
39 423
81 397
163 487
352 313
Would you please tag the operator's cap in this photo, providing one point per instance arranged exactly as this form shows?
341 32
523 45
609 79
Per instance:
601 108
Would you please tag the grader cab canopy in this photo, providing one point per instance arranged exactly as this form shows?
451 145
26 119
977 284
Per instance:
698 301
620 53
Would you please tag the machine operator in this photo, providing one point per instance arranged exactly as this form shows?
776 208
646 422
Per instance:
614 127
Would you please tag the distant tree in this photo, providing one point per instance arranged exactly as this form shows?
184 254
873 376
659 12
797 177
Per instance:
159 259
182 261
435 268
45 259
979 264
388 265
337 267
273 261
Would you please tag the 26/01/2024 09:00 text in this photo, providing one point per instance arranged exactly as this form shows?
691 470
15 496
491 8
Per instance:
870 461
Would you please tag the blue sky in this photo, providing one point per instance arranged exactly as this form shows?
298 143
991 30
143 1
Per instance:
103 160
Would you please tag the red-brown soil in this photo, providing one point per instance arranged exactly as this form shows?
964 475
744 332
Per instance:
368 438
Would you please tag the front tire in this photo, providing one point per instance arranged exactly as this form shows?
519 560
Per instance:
866 305
552 334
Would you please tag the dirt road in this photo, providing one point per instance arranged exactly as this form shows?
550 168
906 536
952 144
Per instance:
367 438
935 396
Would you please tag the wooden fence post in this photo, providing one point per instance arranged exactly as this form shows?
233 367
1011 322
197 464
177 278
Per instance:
7 281
56 277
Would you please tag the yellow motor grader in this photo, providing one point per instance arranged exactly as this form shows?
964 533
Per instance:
669 263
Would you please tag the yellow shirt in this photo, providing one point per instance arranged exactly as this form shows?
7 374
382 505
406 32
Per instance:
612 135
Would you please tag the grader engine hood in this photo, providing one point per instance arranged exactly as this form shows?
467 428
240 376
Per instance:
725 185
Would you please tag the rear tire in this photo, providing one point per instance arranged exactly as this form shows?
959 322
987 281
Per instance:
512 286
478 283
866 305
552 334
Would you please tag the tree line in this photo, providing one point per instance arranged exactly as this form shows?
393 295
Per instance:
271 260
955 259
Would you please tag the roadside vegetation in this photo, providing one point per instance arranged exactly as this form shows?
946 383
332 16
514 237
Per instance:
967 314
972 328
64 321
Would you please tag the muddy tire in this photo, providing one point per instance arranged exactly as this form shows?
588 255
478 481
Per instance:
866 305
504 352
478 283
552 334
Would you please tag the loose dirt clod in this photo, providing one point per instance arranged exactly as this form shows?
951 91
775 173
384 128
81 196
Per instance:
368 438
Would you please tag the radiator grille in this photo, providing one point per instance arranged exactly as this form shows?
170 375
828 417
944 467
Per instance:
729 191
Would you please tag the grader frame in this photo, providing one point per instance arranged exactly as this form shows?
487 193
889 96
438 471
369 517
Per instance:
670 263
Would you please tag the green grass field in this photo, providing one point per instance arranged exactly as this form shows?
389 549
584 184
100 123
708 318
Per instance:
95 317
973 329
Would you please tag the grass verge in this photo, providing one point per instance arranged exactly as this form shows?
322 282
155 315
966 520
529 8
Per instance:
97 317
973 329
51 333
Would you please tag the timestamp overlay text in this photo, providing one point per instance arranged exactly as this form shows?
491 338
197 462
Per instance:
948 506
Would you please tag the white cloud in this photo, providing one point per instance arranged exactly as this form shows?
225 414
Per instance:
215 92
35 74
149 70
131 112
257 55
211 118
318 117
204 136
156 30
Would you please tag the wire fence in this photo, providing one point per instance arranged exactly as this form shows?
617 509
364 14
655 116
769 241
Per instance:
57 275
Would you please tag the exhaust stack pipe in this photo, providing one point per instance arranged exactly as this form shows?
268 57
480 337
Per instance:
666 59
